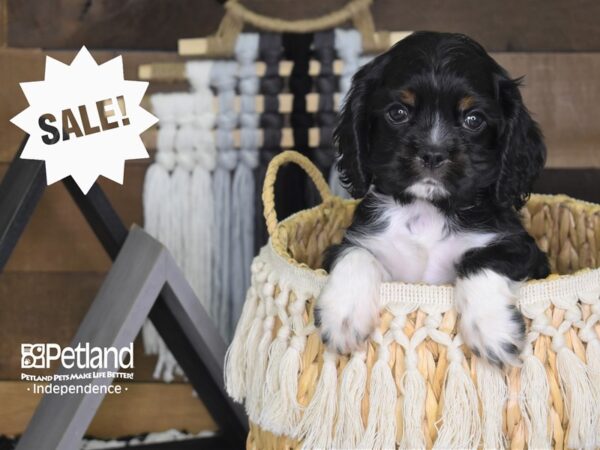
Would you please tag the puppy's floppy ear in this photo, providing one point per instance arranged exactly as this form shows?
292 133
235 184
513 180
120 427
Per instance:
522 146
352 133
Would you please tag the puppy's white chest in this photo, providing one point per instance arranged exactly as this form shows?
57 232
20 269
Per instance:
418 244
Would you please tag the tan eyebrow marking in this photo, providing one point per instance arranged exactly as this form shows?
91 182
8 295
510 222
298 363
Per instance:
407 97
466 102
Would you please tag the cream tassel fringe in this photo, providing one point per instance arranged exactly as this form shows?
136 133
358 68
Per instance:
593 358
259 369
284 409
461 427
272 416
349 425
535 393
414 391
236 364
588 335
381 423
251 344
493 393
581 397
316 427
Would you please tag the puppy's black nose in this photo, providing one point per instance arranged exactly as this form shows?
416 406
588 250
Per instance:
433 159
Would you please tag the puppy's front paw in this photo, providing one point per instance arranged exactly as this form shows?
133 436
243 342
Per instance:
347 310
490 324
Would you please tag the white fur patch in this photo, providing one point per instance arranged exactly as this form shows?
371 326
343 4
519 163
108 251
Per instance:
349 303
428 189
438 132
418 245
486 302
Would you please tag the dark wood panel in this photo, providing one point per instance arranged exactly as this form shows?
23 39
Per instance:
3 22
143 408
58 238
48 307
19 65
500 25
582 184
561 89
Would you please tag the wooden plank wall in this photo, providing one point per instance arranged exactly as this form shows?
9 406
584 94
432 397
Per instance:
500 25
58 266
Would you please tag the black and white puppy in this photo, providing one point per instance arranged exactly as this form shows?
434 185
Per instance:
435 136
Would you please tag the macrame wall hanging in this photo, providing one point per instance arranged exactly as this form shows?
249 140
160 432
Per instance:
202 193
178 199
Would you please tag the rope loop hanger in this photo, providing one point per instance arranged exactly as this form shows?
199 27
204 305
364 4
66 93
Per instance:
222 43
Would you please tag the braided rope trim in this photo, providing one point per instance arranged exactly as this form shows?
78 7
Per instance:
331 20
303 279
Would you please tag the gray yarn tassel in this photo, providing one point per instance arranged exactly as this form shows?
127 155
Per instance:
223 78
243 188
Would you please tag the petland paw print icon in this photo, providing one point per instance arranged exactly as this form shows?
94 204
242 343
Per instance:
84 120
33 356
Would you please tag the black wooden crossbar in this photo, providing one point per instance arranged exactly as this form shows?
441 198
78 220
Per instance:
20 192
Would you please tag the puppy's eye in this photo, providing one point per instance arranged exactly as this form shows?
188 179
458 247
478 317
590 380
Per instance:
397 114
474 121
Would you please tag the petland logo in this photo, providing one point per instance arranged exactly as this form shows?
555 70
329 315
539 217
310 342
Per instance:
41 356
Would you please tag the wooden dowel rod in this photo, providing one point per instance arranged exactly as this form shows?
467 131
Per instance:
285 103
175 72
287 137
199 46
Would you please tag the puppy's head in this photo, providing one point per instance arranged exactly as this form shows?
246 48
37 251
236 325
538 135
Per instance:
436 117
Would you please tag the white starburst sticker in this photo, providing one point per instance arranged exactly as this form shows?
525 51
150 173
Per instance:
84 120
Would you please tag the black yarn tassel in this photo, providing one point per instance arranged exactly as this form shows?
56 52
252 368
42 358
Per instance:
290 195
326 86
271 121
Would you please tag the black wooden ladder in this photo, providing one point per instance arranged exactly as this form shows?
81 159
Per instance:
175 312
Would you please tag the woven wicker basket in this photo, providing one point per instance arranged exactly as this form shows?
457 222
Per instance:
417 386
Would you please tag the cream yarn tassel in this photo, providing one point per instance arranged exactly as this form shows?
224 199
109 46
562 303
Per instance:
349 424
461 427
412 384
589 335
273 414
414 391
581 396
285 410
381 423
236 365
316 427
493 393
260 358
535 393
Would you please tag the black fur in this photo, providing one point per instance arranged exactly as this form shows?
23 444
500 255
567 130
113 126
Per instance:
488 173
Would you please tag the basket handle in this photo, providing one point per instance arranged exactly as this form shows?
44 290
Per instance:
268 193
